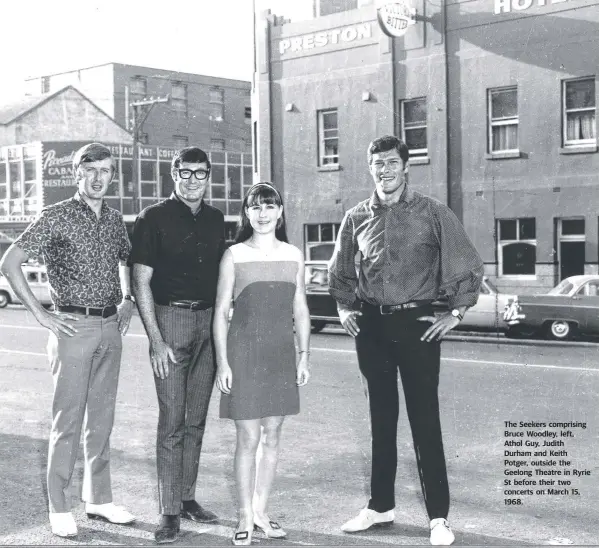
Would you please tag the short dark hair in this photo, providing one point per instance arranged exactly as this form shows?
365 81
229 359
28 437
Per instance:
260 193
191 155
387 143
94 152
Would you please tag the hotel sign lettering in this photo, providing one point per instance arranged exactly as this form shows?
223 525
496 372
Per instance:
506 6
320 39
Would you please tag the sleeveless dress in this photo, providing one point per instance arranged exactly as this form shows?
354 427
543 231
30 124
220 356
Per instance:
260 344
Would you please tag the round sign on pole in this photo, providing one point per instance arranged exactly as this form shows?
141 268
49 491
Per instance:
395 17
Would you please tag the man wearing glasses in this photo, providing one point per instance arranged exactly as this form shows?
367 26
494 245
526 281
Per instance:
177 247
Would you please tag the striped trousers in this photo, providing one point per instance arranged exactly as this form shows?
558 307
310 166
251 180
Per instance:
183 399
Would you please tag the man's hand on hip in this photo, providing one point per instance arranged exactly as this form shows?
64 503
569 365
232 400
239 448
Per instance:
441 326
160 354
349 321
57 323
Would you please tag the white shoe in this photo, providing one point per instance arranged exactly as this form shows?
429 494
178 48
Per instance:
109 512
441 534
63 524
366 519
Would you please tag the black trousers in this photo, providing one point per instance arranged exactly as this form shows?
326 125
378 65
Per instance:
386 344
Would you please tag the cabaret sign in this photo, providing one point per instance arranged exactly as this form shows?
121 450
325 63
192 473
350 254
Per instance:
320 39
506 6
395 18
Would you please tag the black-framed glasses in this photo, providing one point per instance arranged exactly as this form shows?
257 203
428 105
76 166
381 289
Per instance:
200 174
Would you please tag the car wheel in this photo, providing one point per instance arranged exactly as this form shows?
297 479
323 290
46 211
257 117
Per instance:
318 325
560 330
4 299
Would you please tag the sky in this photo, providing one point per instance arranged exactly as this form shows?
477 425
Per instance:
211 37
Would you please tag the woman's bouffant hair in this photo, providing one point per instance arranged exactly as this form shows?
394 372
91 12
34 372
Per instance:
260 193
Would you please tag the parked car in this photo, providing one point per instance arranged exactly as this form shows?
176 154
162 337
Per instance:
571 308
36 277
487 314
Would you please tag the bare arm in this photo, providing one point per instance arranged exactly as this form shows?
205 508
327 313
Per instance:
160 352
301 315
10 266
125 308
222 308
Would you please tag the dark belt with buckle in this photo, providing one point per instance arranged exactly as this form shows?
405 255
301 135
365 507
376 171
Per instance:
104 312
386 309
189 305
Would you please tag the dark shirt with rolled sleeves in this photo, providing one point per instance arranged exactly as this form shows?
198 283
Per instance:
81 252
183 249
414 250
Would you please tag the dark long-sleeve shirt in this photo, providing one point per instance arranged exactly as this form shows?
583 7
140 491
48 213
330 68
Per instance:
413 250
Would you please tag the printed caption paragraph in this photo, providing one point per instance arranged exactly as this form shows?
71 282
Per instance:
539 460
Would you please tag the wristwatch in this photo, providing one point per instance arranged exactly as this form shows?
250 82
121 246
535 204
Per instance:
129 298
456 314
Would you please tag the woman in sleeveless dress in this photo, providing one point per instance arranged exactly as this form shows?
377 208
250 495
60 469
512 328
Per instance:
258 371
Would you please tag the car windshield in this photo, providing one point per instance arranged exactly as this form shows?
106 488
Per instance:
563 288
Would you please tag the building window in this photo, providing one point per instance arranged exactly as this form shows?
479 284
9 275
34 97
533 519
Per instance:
248 115
517 250
217 144
328 137
180 141
179 97
138 88
579 112
413 125
217 104
320 241
503 120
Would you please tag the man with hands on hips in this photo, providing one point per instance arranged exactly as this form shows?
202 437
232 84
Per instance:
85 246
411 249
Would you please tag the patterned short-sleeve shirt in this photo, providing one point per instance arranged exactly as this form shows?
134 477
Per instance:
81 252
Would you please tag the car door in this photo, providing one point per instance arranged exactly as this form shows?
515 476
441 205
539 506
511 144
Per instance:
586 300
34 282
482 314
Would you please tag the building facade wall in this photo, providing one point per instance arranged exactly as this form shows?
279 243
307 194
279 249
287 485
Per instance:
106 86
454 57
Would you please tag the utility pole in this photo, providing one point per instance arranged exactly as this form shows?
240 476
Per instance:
140 111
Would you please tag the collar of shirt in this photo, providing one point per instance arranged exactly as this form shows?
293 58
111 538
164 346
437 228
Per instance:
375 204
181 203
77 199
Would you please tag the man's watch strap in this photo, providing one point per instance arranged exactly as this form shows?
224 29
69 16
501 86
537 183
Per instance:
457 314
129 298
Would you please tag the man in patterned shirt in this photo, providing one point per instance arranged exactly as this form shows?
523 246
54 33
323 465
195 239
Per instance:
85 246
411 249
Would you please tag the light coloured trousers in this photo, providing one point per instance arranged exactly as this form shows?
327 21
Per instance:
85 371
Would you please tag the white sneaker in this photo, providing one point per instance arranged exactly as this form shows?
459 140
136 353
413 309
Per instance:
109 512
63 524
441 534
366 519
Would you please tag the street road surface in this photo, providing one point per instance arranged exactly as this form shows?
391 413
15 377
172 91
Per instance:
324 465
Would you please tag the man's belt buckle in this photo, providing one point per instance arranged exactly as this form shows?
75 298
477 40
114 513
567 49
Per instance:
385 310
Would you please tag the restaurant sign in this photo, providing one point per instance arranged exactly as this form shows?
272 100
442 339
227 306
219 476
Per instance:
396 17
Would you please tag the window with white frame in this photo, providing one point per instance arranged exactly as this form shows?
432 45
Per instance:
503 120
217 144
180 141
517 246
320 240
217 104
247 115
138 88
328 137
413 125
579 108
179 97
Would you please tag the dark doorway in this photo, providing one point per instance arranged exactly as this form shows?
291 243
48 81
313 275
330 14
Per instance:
571 259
